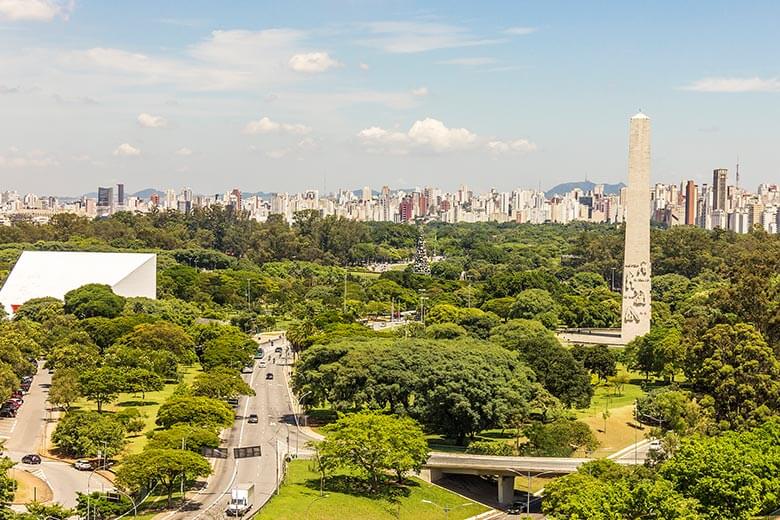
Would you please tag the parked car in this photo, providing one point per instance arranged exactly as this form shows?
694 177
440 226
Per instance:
31 459
17 393
83 465
269 375
25 387
7 412
262 364
252 418
259 354
27 379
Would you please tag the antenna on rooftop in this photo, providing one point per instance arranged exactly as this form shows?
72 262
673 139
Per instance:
737 171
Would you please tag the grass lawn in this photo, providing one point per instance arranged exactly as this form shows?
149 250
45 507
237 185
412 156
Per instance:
299 499
148 406
620 431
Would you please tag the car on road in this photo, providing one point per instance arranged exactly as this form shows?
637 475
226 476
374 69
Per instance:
259 354
269 375
83 465
31 459
655 445
252 418
278 350
515 508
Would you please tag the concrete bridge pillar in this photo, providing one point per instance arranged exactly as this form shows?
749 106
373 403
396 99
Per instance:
431 475
506 490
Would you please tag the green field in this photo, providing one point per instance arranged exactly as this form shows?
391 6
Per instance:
299 499
148 406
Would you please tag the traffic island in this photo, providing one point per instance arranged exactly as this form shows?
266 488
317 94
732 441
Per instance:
29 488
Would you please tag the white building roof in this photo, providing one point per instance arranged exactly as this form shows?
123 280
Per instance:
54 273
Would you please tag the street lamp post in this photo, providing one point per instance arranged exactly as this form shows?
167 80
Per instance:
446 509
297 422
528 491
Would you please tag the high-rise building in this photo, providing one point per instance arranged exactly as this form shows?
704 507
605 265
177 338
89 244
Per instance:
120 194
719 179
406 209
690 203
105 197
636 263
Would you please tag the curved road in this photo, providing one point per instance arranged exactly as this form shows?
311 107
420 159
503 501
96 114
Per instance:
26 433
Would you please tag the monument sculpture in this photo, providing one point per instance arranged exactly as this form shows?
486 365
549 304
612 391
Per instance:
636 262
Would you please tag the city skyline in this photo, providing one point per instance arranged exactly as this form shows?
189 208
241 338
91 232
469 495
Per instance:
488 95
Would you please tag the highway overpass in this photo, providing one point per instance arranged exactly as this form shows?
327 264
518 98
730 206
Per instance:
504 468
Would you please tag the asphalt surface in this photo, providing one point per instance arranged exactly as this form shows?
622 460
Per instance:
275 433
25 434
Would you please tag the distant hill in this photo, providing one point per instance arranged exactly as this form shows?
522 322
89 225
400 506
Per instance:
148 192
561 189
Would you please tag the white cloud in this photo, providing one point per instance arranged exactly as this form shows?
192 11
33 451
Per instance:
427 134
126 150
520 31
364 66
412 37
420 91
516 146
735 85
266 125
225 60
150 121
34 10
15 158
432 135
184 151
469 62
312 62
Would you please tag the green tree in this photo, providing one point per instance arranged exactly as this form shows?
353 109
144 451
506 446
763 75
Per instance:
161 336
500 448
597 359
140 380
7 484
220 383
554 366
64 388
193 438
84 434
373 444
76 350
560 438
93 300
101 385
39 309
56 511
445 331
195 411
168 467
734 365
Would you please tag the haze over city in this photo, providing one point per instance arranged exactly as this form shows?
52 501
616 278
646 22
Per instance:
273 97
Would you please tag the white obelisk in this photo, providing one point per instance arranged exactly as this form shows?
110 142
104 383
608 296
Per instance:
636 262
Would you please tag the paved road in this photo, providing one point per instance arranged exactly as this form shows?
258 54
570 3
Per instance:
275 432
25 434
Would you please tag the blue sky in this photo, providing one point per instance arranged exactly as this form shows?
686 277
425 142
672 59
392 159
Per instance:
284 96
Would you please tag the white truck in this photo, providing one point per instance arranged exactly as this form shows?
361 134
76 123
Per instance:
242 498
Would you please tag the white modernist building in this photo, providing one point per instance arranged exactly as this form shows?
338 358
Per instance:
54 273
